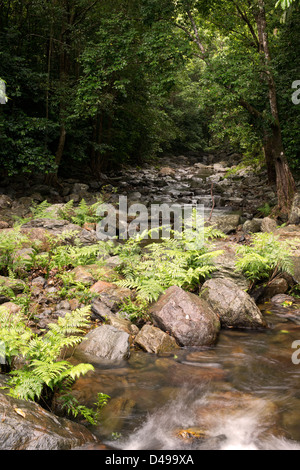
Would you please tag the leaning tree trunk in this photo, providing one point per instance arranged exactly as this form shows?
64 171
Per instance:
274 149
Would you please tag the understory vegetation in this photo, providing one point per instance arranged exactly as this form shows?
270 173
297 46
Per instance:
37 365
93 86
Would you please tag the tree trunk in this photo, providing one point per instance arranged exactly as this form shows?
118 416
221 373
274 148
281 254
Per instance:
274 151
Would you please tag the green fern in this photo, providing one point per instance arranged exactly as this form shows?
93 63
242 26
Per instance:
42 355
85 213
9 243
265 257
184 262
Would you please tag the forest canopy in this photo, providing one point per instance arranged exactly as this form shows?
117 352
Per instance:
100 83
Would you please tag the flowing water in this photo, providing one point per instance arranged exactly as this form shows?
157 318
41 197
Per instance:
244 393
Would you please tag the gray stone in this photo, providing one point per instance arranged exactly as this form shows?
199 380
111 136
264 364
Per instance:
106 342
234 307
88 237
268 225
38 281
280 298
276 287
186 317
228 223
100 310
24 425
154 340
252 226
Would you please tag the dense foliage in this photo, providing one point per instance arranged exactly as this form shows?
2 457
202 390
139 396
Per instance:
99 83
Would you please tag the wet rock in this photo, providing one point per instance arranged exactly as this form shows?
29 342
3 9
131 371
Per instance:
281 298
234 307
154 340
194 374
193 433
219 409
277 286
106 342
27 426
100 310
186 317
268 225
88 237
114 414
120 323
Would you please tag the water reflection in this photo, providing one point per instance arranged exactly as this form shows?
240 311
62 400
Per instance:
242 394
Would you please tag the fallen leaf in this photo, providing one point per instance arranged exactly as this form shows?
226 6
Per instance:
20 412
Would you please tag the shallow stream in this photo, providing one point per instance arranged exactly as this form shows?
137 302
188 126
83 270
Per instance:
244 393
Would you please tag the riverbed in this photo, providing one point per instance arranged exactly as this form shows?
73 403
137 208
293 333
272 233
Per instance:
244 393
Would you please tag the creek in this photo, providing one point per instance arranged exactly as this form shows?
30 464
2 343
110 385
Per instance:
244 393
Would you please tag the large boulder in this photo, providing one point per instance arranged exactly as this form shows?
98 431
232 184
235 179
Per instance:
154 340
186 317
234 306
24 425
107 343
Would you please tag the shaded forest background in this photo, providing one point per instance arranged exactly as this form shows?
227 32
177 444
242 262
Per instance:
95 84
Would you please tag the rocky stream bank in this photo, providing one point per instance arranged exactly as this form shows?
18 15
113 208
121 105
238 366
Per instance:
187 326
